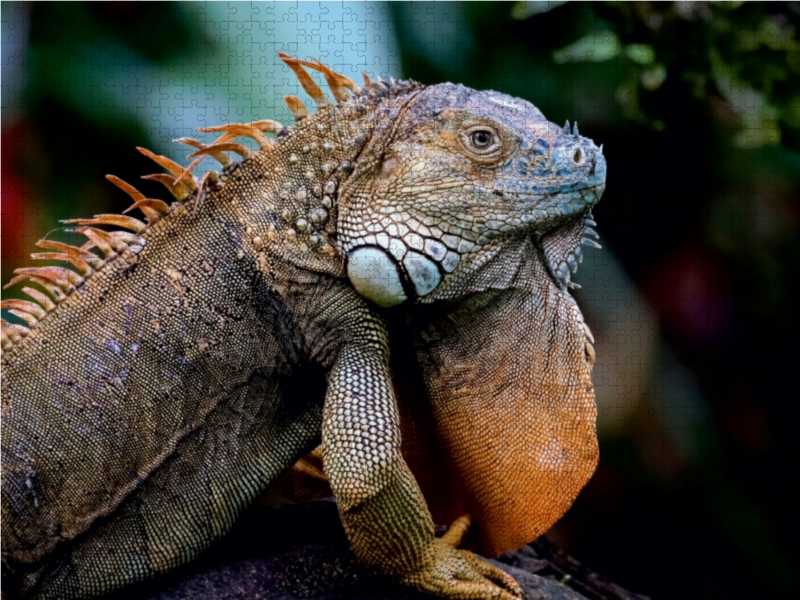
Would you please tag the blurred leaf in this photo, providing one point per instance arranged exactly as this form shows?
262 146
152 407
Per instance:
642 54
524 10
595 47
653 77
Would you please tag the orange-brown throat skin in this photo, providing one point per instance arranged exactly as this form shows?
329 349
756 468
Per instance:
501 407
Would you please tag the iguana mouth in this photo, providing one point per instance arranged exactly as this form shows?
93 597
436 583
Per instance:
507 192
560 245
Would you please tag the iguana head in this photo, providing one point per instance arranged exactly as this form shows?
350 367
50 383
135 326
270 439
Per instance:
460 174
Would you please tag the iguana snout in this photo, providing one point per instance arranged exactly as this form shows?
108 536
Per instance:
565 176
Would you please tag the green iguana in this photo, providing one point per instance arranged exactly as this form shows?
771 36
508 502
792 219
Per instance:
397 261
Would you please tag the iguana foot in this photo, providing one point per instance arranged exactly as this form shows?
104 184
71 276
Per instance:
459 574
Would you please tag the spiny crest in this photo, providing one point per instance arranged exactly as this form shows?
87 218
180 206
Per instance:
341 87
59 282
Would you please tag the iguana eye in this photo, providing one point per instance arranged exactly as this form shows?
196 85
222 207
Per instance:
481 138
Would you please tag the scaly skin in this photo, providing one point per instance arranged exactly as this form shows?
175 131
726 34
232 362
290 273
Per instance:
397 262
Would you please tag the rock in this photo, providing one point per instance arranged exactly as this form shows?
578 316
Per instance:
300 551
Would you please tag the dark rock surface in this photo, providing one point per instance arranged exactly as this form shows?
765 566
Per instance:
300 551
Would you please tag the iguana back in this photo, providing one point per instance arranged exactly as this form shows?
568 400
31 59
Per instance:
187 371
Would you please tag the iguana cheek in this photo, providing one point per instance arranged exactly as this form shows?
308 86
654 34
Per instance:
423 273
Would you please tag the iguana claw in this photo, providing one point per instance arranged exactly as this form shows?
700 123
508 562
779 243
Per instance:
459 574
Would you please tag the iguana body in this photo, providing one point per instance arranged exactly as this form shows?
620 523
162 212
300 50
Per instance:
205 353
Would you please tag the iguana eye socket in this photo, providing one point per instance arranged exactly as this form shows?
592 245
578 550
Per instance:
482 143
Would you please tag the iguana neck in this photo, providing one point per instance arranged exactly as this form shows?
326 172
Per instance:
289 192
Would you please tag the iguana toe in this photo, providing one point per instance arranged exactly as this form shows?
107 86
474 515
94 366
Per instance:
459 574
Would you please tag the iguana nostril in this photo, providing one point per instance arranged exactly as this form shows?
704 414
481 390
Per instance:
577 157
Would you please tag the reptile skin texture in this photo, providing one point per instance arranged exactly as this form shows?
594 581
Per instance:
386 281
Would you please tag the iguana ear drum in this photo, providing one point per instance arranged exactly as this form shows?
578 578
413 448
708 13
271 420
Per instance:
376 275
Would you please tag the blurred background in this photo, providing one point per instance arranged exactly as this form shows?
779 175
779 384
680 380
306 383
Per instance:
691 302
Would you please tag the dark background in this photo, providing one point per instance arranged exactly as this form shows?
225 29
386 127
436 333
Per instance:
691 300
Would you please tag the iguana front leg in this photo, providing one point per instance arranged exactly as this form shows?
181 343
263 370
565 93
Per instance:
381 506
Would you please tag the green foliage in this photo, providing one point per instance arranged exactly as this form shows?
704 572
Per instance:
741 58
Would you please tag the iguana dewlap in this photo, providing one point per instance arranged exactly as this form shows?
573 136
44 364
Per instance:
388 277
